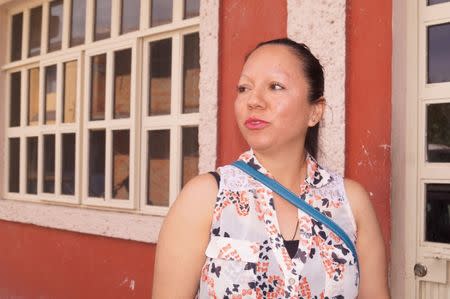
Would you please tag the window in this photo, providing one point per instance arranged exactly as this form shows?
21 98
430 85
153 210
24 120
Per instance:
103 110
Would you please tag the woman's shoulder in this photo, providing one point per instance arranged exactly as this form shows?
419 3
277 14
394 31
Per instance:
358 198
199 193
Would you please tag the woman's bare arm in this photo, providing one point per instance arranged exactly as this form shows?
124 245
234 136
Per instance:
184 236
369 245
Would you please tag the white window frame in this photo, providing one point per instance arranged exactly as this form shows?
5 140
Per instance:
109 124
86 217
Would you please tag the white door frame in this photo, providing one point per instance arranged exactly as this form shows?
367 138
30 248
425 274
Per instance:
407 149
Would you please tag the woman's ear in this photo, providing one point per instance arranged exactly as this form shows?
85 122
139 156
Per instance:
318 108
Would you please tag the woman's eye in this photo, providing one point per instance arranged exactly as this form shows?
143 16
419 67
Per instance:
276 86
241 88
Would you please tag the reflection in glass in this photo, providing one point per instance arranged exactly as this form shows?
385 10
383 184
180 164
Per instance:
16 37
437 213
34 42
121 164
78 22
68 164
97 163
161 12
439 53
50 94
158 168
69 91
55 23
32 164
130 15
122 83
191 73
14 164
98 85
191 8
190 154
33 96
438 132
14 99
160 77
102 19
431 2
49 164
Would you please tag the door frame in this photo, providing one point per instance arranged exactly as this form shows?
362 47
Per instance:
408 172
404 147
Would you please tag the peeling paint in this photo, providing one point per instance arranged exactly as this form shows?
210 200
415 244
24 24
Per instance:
124 281
365 150
132 284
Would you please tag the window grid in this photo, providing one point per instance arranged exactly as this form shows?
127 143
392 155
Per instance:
138 124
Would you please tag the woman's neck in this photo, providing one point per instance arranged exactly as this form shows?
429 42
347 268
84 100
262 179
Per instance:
288 166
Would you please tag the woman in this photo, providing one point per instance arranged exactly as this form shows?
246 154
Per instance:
232 237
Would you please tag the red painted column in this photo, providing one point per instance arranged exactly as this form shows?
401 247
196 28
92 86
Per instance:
368 102
243 24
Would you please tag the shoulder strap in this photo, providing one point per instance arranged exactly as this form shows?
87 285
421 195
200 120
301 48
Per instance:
301 204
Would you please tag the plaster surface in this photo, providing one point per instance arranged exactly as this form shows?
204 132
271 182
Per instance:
321 26
209 45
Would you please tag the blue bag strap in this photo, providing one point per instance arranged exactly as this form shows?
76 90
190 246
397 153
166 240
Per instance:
301 204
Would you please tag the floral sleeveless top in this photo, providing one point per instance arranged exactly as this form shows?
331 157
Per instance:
246 256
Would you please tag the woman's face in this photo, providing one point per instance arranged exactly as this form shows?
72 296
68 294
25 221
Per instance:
272 108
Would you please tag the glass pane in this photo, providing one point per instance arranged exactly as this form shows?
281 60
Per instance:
431 2
438 213
190 154
55 23
50 94
191 8
16 37
121 164
158 168
32 164
98 85
122 83
33 96
191 73
160 76
78 22
14 89
70 91
438 132
68 164
439 53
14 164
102 19
130 15
35 31
49 163
97 150
161 12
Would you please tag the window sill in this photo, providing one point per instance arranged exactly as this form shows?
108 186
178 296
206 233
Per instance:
129 226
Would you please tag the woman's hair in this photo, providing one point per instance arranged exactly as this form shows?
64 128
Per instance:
313 72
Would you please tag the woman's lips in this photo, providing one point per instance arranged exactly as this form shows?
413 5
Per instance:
255 123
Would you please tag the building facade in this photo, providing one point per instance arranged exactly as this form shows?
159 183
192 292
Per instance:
110 106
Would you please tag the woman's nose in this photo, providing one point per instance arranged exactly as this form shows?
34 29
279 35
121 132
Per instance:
256 100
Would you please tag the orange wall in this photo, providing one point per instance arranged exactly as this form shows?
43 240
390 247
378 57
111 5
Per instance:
368 102
37 262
